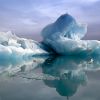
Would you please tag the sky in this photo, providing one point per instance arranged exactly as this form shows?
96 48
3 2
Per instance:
27 18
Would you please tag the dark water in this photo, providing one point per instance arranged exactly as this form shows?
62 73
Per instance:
51 78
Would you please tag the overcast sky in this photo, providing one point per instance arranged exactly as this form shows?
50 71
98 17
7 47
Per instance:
27 17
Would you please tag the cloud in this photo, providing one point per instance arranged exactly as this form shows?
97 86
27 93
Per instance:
89 1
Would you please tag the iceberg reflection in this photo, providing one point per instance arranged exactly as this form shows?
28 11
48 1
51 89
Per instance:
13 68
65 74
71 73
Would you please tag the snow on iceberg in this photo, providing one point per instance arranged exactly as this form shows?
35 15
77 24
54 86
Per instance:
64 36
15 48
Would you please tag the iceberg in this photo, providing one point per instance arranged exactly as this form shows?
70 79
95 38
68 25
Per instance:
64 37
15 48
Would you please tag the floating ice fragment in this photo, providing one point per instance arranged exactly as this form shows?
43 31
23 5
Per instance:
15 48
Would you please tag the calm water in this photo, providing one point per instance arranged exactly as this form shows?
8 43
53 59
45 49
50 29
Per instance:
50 78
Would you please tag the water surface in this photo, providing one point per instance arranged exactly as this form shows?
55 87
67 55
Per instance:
50 78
